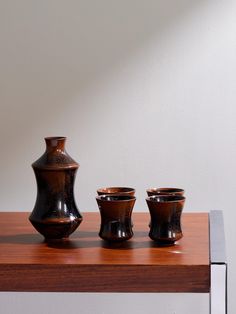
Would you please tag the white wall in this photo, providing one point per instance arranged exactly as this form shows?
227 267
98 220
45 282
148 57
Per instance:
102 303
145 91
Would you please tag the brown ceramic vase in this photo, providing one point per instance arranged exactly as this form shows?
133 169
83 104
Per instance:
55 214
115 210
165 212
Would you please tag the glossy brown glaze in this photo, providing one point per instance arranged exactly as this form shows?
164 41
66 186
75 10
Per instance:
116 190
165 212
163 191
55 214
115 211
86 263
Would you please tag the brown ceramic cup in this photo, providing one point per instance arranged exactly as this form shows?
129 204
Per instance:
165 212
115 211
163 191
116 191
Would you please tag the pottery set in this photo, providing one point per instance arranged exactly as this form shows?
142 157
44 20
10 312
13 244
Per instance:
56 216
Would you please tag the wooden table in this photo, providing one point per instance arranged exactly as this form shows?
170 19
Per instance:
85 263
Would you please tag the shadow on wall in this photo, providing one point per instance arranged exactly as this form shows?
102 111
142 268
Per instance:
55 57
53 52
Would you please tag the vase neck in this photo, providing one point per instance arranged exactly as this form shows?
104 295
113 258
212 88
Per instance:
55 143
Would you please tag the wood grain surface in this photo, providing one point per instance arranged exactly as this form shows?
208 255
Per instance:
88 264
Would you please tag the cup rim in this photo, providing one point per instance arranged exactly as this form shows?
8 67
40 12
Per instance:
166 190
165 198
124 190
128 198
58 138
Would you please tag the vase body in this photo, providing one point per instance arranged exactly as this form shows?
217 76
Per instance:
55 214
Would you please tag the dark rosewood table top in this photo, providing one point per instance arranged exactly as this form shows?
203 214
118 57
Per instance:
87 263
